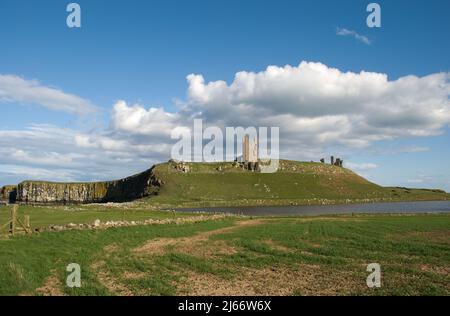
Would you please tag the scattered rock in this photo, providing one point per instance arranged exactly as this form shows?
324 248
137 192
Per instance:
109 224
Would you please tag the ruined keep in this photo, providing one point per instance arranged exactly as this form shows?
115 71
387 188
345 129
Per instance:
250 149
127 189
334 162
338 162
250 154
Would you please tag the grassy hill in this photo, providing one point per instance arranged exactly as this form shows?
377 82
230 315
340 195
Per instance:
178 184
226 183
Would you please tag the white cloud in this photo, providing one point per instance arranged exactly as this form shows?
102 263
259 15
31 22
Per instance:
320 111
414 149
17 89
24 172
346 32
363 169
321 106
415 181
136 119
44 151
121 144
361 166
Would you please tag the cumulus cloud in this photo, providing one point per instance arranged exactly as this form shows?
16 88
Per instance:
320 111
321 105
346 32
135 119
43 151
120 145
20 90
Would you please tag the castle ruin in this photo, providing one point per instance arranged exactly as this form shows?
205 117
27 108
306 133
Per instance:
250 149
339 162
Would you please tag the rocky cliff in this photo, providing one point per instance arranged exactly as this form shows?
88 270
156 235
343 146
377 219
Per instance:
8 193
127 189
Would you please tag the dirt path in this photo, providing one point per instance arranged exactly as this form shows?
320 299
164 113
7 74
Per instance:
52 286
301 279
190 244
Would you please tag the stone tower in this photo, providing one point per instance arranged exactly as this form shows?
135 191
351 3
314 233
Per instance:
250 149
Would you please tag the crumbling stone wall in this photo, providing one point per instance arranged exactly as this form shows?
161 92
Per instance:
127 189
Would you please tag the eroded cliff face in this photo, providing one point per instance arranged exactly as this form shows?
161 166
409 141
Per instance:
127 189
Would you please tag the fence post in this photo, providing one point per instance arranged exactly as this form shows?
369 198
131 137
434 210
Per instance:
13 219
26 221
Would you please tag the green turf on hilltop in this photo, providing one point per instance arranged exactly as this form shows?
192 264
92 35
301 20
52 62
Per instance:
295 182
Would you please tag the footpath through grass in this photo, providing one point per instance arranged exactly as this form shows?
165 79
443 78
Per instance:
268 256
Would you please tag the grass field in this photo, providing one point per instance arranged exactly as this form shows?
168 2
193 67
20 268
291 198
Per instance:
42 216
272 256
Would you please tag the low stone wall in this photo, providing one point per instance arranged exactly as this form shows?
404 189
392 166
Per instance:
127 189
97 224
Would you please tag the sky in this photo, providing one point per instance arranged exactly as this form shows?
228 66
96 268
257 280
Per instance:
99 102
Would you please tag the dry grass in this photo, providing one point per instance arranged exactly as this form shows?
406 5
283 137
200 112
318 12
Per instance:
195 244
276 246
438 236
132 275
277 281
52 286
109 281
441 270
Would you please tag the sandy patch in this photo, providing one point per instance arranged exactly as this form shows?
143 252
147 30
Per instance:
277 281
52 286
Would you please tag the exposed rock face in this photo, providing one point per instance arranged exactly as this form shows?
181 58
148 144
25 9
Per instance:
181 166
8 193
127 189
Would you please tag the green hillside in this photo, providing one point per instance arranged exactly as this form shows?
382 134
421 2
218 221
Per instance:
178 184
226 183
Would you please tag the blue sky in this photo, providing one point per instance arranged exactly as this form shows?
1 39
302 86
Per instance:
142 51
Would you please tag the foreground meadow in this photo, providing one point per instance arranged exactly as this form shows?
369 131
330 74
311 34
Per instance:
237 256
